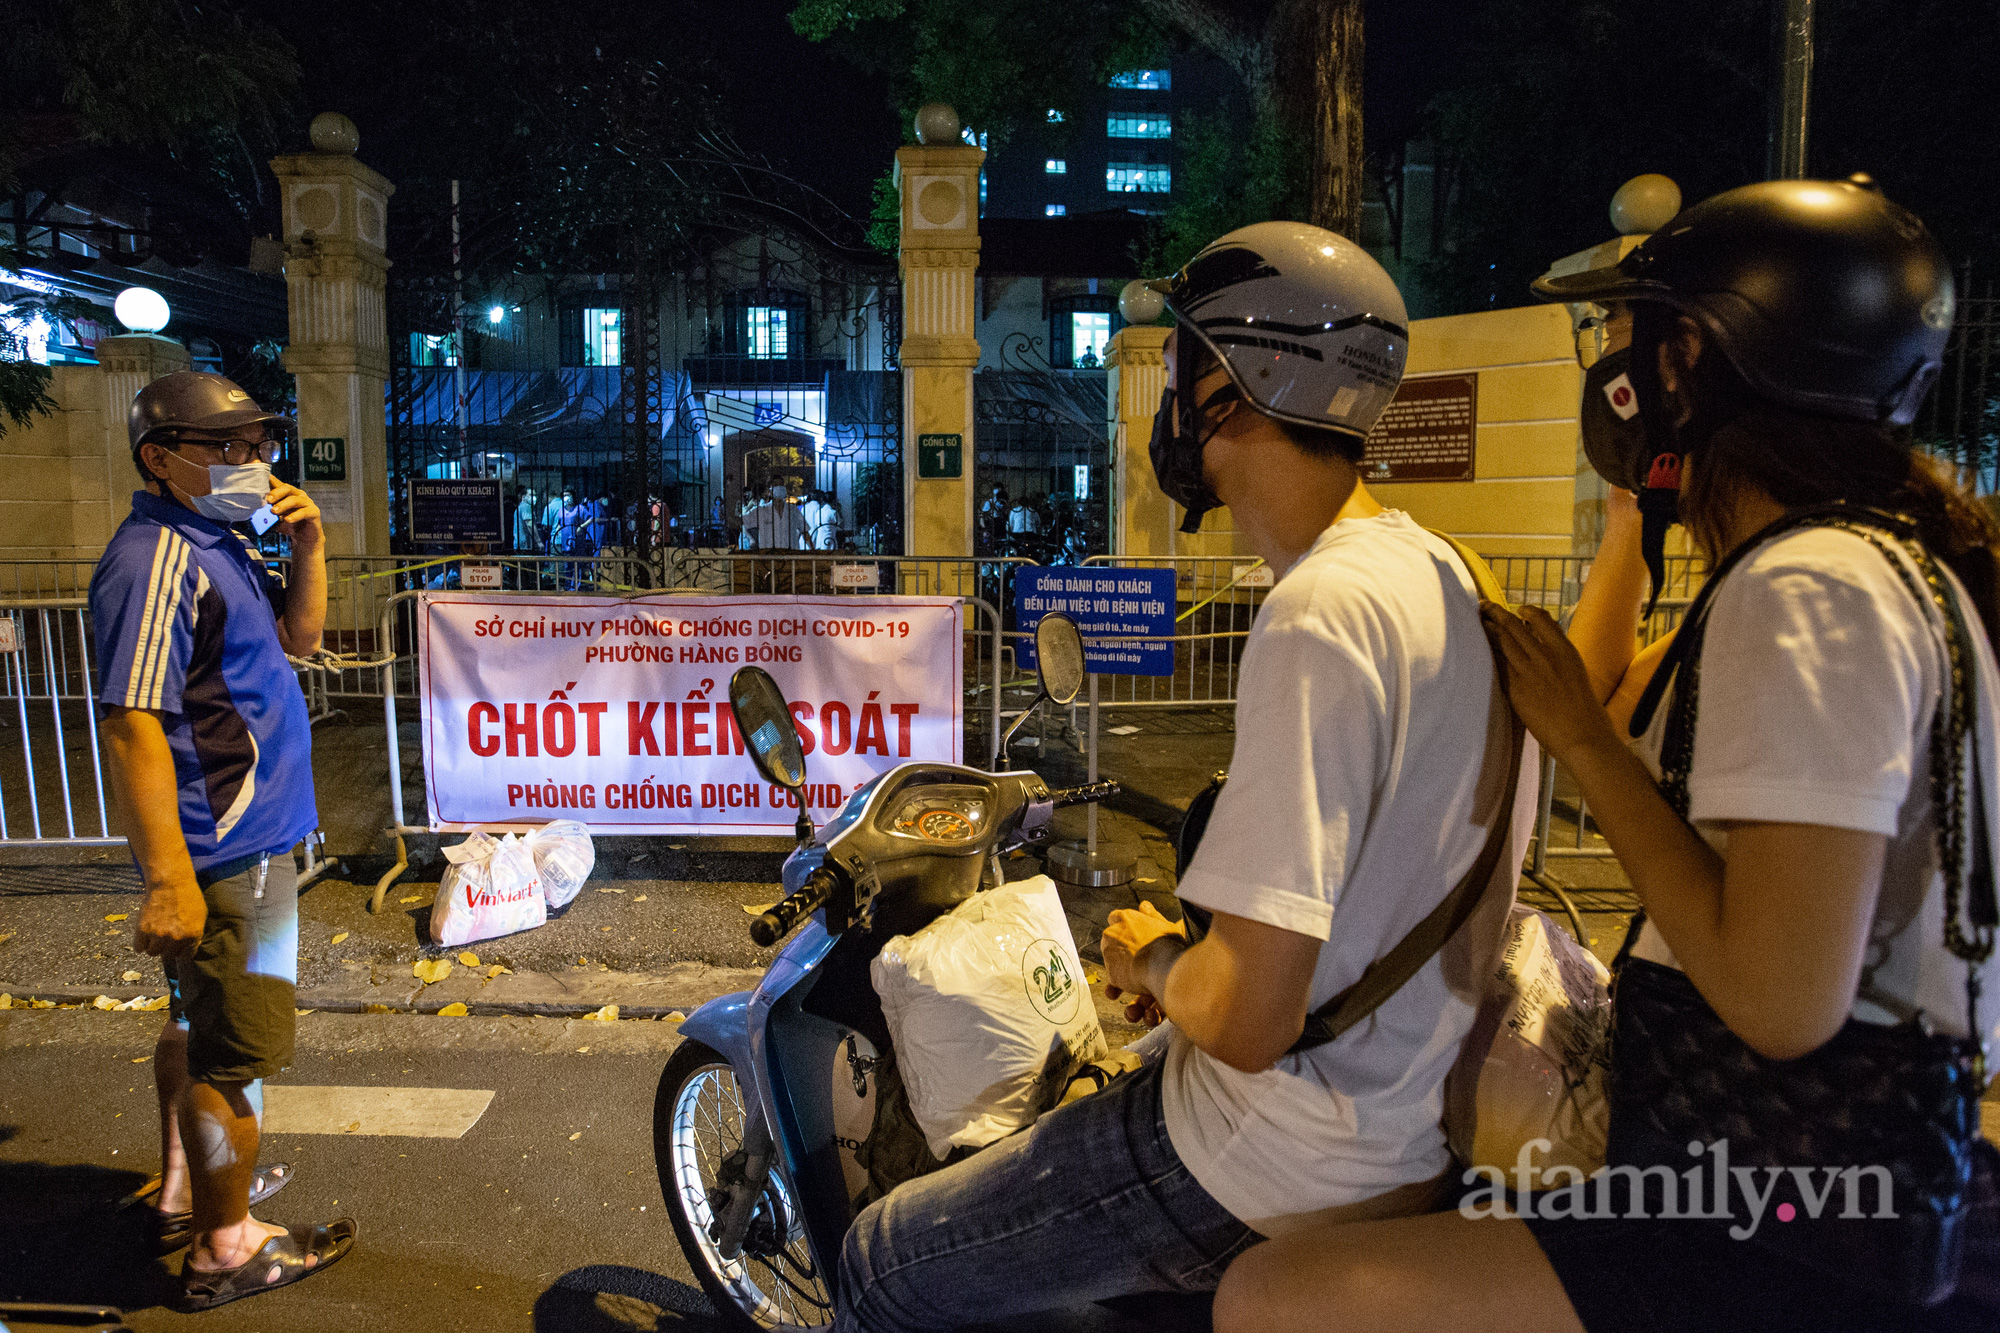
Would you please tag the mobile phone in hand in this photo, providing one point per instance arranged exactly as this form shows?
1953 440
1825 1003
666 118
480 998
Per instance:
261 521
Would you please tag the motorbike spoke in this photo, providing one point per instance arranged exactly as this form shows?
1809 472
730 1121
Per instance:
786 1290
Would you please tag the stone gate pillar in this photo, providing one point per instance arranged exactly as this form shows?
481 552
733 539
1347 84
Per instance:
938 180
1142 522
129 362
336 228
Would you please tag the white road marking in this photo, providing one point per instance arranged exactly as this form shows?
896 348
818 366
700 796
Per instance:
425 1113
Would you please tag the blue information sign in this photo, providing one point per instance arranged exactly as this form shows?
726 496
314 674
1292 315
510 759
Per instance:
1105 602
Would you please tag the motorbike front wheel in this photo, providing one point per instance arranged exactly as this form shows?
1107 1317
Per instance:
698 1122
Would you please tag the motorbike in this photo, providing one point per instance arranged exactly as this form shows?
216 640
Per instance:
765 1106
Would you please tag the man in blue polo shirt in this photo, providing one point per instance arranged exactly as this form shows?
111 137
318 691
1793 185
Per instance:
210 759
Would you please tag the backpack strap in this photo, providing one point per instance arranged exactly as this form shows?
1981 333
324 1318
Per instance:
1386 975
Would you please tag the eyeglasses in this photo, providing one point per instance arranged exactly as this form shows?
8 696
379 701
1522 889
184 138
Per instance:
235 452
1592 331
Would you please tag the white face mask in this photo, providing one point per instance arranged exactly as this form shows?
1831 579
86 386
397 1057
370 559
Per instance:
235 490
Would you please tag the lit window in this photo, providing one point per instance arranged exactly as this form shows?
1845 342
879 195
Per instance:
1150 80
432 349
602 340
1055 210
1089 332
767 331
1056 166
1138 178
1055 116
1128 125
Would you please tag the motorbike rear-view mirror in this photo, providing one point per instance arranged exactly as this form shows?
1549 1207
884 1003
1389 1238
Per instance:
1059 657
765 720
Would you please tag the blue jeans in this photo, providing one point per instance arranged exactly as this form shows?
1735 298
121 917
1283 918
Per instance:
1090 1202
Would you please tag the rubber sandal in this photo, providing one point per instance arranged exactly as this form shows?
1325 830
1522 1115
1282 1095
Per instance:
280 1262
172 1230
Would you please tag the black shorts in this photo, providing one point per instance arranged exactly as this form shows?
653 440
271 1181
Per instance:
1635 1275
236 997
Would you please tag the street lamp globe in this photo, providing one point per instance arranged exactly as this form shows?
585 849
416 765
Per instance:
141 310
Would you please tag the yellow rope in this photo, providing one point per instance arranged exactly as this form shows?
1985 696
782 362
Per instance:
1244 573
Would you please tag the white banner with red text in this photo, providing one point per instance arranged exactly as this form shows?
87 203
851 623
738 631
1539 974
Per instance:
617 712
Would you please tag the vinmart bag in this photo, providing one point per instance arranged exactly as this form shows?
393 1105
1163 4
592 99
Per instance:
490 888
989 1014
1533 1065
563 858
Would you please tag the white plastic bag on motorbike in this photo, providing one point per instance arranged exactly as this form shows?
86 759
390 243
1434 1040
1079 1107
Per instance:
1533 1065
563 858
989 1012
489 888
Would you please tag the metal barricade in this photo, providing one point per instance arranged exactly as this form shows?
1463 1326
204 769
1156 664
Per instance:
47 686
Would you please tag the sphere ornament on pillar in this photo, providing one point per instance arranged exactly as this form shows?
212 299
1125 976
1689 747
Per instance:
1140 303
332 132
141 309
1645 204
937 124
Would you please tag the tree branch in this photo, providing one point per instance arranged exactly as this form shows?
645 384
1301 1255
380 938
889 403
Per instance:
1248 54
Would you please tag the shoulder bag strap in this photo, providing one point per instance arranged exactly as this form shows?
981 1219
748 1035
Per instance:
1386 975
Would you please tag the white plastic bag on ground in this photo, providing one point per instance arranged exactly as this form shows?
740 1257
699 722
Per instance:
1533 1066
990 1013
490 888
563 858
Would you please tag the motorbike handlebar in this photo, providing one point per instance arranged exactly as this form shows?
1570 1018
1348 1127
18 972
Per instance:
1094 791
773 926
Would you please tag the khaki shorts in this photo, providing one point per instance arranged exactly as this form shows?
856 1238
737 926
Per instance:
236 996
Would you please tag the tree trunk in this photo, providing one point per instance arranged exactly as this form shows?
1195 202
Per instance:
1316 79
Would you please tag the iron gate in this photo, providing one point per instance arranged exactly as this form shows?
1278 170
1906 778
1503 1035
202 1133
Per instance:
1042 471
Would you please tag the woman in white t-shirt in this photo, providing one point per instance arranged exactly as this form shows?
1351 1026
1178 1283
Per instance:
1774 780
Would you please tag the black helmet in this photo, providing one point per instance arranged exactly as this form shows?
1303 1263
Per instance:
194 400
1824 295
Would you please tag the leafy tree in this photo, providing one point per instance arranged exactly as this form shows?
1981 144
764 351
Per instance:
1555 106
1003 63
197 84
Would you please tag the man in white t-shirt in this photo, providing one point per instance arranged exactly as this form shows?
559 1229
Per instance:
1375 752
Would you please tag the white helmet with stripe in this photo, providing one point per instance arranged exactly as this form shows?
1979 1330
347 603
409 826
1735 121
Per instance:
1309 327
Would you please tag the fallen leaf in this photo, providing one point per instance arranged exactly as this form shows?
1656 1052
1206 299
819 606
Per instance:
430 971
497 970
351 1127
376 1009
41 1004
675 1016
6 1001
104 1002
128 976
413 898
677 847
608 1014
338 938
640 899
303 1012
141 1060
758 909
7 936
611 890
157 1002
574 1137
456 1009
469 958
118 916
583 1050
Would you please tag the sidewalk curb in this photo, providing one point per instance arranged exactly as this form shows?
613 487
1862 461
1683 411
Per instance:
685 988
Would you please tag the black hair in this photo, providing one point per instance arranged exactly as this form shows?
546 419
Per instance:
1734 439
